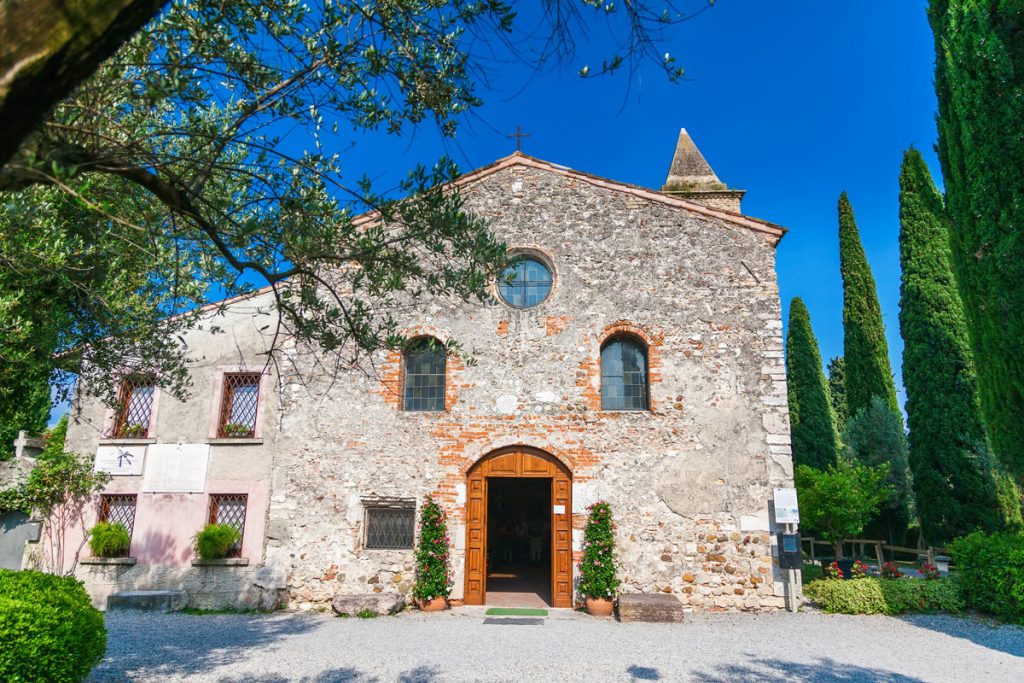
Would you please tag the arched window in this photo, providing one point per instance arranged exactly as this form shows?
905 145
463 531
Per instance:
424 375
623 374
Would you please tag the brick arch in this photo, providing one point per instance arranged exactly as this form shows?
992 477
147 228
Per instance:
392 369
588 375
519 462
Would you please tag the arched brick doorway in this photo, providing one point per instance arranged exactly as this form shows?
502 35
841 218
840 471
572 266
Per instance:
524 463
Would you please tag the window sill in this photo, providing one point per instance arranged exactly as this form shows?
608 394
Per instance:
110 441
233 440
225 562
126 561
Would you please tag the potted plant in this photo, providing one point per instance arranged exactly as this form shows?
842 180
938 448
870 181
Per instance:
238 430
836 504
214 542
134 431
109 540
599 582
433 577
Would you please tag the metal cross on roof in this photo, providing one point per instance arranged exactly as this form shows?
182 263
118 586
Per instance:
519 135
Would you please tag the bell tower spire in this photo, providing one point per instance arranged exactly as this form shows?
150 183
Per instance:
691 177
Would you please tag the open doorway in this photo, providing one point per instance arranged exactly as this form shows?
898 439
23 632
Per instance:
519 542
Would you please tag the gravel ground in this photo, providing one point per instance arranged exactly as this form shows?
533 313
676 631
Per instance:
462 645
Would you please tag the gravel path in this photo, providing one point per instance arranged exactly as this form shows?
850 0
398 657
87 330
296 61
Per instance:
459 646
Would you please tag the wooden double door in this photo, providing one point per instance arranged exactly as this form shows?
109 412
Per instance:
519 462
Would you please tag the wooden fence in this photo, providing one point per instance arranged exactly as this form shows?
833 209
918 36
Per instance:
868 547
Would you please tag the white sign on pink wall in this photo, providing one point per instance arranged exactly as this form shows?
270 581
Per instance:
176 468
120 460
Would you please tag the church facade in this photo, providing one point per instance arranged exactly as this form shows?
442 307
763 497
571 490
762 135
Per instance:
634 355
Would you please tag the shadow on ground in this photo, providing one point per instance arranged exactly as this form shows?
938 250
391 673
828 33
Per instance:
824 670
182 645
421 674
993 635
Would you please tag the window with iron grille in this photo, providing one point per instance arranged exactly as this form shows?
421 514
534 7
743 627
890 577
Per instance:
135 408
240 398
390 526
425 376
229 509
623 375
118 509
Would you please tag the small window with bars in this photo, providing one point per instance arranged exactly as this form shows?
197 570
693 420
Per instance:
239 402
135 408
118 509
229 509
425 363
390 526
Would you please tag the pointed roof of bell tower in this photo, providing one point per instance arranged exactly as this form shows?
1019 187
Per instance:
689 169
692 177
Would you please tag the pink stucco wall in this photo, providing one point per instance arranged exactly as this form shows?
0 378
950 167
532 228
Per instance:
166 523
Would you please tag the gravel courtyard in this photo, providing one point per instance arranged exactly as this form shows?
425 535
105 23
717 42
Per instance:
464 645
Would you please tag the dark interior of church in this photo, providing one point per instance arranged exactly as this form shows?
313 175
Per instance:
519 536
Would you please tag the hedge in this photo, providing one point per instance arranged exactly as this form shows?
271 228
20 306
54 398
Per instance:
991 570
885 596
49 629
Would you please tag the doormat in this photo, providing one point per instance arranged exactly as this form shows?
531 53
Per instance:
516 612
514 621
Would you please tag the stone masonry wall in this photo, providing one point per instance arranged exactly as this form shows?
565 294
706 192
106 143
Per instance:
689 481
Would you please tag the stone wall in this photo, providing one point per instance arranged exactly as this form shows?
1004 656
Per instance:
689 482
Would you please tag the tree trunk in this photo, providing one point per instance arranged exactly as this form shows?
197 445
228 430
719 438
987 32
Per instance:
839 550
47 47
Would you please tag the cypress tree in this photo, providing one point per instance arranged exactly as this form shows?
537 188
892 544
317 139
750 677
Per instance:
953 479
865 351
812 424
837 388
979 81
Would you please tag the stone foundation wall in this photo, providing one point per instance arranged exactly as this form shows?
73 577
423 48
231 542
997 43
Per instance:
213 587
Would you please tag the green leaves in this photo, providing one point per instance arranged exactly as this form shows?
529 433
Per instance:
814 438
433 574
598 568
836 504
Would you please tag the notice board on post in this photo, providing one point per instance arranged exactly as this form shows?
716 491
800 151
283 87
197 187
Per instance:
787 510
176 468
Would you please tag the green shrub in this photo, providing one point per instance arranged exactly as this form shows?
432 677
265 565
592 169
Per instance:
433 568
811 572
598 568
109 540
215 540
991 568
886 596
49 629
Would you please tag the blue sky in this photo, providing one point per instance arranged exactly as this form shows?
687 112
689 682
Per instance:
792 101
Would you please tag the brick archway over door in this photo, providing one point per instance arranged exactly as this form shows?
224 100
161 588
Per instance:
523 462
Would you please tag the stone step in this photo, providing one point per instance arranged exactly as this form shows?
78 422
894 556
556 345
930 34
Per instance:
650 607
149 601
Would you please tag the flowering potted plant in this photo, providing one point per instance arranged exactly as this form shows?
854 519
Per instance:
891 570
859 570
433 577
599 582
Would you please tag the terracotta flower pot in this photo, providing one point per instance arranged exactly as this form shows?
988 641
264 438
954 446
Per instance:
432 605
599 607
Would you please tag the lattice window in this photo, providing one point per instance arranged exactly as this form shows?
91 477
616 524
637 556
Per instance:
425 376
119 509
623 375
390 527
229 508
241 397
136 408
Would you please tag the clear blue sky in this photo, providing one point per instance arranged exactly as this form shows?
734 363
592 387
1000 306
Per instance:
792 101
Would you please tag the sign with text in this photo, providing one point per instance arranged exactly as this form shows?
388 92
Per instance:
176 468
787 511
120 460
